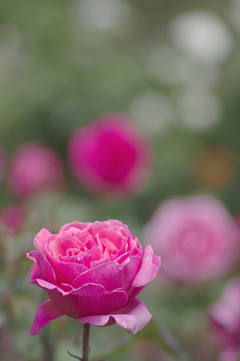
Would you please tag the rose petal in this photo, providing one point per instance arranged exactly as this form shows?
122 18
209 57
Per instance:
133 318
91 299
44 266
40 240
100 321
46 312
66 271
111 275
149 268
49 286
77 224
35 271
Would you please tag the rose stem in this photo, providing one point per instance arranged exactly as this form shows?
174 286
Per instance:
47 353
85 353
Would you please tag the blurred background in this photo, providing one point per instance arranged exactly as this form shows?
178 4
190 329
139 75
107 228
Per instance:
172 68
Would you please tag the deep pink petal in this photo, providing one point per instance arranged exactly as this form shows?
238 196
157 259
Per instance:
61 287
91 299
35 271
111 275
40 240
133 317
66 272
134 292
149 268
44 266
46 312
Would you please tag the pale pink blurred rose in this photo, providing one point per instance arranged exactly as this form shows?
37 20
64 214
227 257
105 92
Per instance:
12 218
196 237
92 272
35 168
2 162
237 220
110 155
225 321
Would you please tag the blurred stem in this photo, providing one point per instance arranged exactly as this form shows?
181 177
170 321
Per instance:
171 345
47 353
86 349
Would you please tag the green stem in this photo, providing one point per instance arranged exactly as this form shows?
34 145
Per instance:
86 349
47 345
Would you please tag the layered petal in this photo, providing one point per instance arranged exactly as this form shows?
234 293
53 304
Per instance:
35 272
90 299
149 268
44 266
66 271
77 224
111 275
40 240
46 312
134 317
49 286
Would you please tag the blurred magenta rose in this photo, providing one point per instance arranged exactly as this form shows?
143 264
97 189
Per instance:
12 218
196 237
92 272
2 162
225 321
34 168
110 155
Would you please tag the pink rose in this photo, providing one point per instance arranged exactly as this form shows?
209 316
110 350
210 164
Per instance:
109 155
12 218
34 168
196 237
225 321
92 272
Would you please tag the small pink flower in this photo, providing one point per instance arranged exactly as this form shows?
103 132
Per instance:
12 218
225 321
109 155
92 272
34 168
196 237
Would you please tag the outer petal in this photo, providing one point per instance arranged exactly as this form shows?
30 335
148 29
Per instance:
35 271
149 268
44 266
40 240
49 286
133 317
46 312
111 275
91 299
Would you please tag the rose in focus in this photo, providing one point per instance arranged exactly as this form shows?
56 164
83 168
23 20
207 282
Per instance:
196 237
225 321
92 272
109 155
34 168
